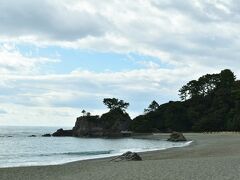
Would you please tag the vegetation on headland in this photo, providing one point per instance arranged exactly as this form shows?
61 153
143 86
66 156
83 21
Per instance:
211 103
110 124
117 110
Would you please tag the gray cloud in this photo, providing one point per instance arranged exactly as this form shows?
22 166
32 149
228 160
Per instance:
176 32
48 19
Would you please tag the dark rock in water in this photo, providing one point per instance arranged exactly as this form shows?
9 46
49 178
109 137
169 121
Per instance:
46 135
128 156
9 136
177 137
32 136
110 124
61 133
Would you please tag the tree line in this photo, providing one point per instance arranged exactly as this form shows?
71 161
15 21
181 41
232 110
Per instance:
206 84
210 103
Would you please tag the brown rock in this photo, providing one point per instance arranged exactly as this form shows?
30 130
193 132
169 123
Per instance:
61 133
128 156
177 137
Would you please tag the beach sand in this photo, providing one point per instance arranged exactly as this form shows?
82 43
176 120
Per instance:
210 156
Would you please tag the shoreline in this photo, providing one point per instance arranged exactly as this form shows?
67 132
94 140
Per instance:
148 136
210 156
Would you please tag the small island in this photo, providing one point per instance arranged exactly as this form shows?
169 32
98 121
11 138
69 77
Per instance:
114 123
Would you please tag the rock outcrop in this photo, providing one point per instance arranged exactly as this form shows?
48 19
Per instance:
128 156
177 137
110 124
61 132
88 126
46 135
32 136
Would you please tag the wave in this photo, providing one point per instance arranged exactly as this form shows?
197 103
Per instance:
53 158
86 153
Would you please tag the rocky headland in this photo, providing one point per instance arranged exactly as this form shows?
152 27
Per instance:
114 123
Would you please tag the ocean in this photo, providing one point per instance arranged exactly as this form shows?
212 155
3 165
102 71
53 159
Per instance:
17 149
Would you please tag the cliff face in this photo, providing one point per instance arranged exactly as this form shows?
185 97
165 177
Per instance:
109 125
88 126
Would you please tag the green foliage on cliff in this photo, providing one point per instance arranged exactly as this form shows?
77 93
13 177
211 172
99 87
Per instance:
211 103
113 104
152 107
116 118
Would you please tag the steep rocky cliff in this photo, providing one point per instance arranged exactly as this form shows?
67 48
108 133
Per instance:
88 126
110 124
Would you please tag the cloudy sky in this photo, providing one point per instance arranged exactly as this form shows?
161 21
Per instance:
58 57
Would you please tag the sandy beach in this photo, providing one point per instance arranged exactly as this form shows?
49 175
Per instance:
210 156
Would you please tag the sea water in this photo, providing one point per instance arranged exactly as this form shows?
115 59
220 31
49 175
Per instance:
18 149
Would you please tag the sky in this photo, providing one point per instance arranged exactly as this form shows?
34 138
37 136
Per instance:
58 57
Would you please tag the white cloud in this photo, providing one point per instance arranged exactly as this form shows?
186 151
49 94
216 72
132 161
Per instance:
37 116
190 32
12 61
195 37
36 98
85 89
